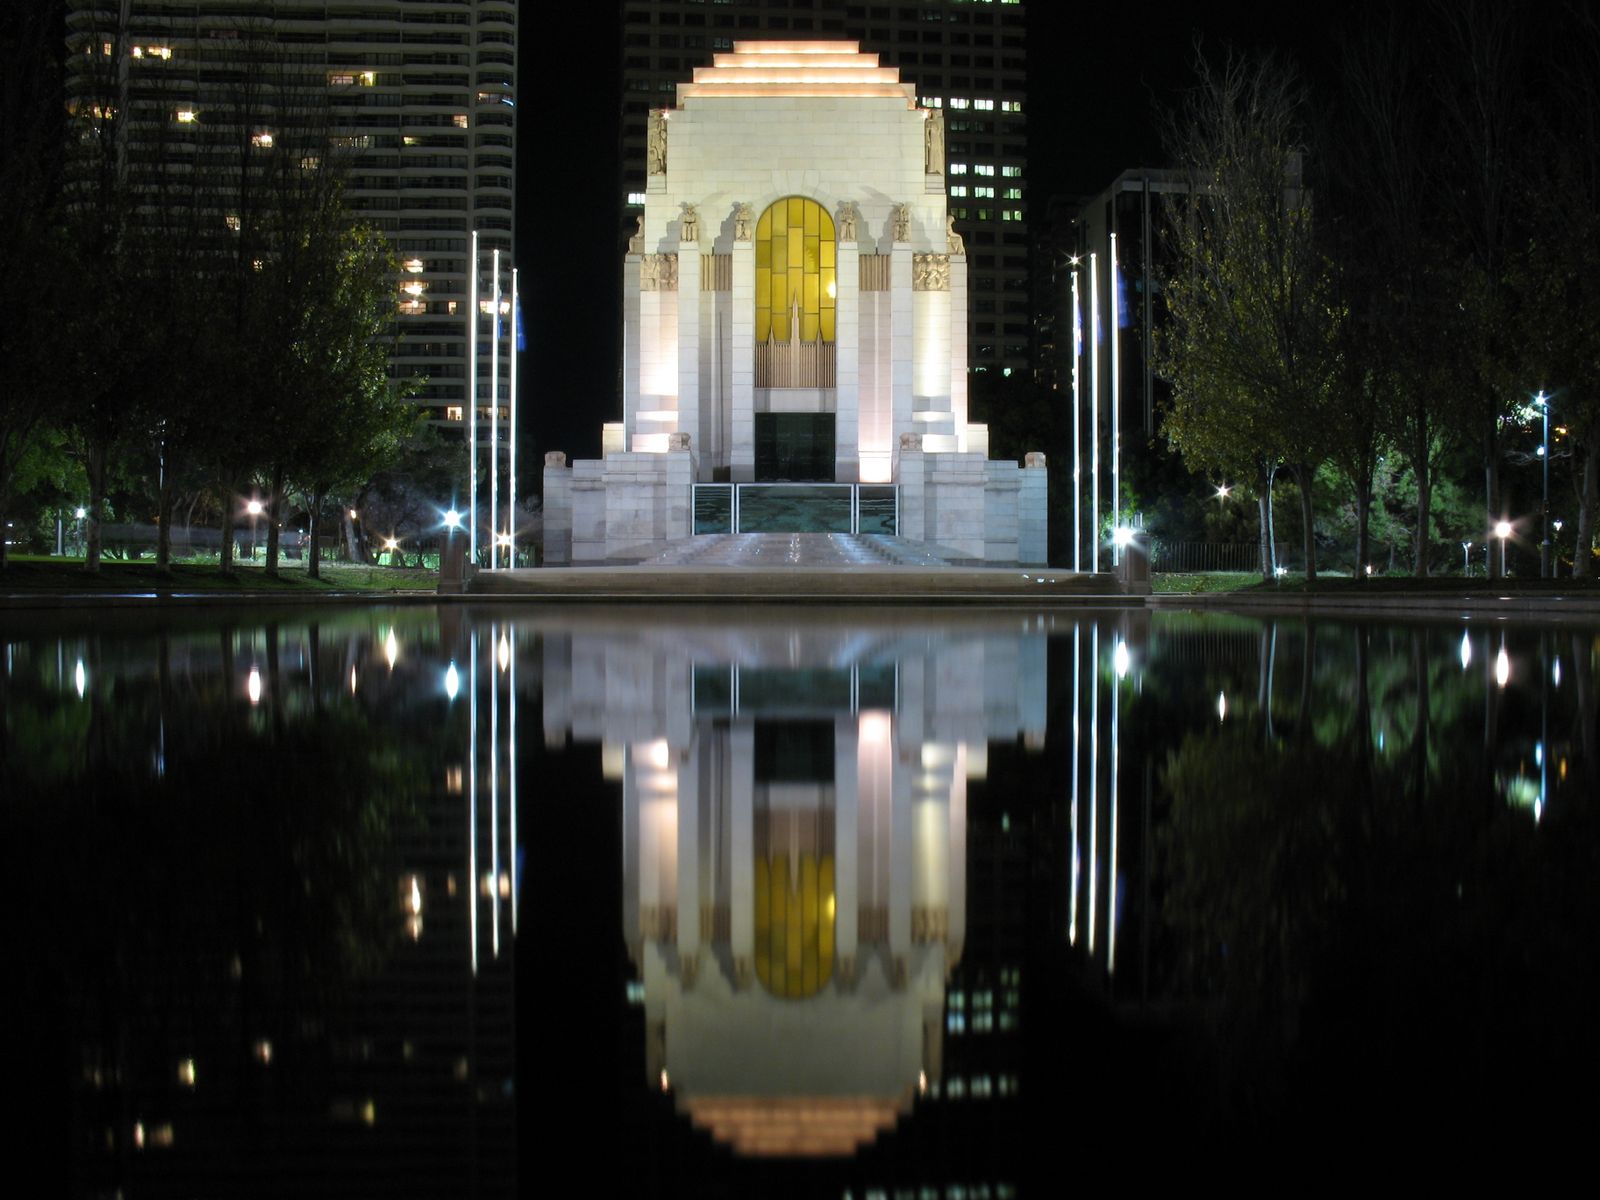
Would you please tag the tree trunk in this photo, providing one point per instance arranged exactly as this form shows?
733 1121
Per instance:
5 496
274 505
348 528
1421 541
225 555
1308 521
1363 515
1588 500
164 506
1491 498
1264 504
97 493
314 551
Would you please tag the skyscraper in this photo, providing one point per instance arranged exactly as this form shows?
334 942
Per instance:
415 99
967 57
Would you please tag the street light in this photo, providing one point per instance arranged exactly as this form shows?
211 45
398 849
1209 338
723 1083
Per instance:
1543 401
1466 558
1502 530
254 509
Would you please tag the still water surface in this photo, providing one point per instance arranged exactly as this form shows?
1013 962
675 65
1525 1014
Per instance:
877 903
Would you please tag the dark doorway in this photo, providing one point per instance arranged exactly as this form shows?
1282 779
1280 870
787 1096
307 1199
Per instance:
794 446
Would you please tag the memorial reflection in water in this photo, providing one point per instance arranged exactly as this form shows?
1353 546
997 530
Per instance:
869 870
794 837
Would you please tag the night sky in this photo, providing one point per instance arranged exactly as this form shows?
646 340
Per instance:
1097 75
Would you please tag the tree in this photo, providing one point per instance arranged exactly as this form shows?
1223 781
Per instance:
357 420
1554 272
1480 71
1250 350
1380 138
34 341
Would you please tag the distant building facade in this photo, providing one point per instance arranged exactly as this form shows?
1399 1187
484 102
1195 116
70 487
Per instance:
795 301
413 100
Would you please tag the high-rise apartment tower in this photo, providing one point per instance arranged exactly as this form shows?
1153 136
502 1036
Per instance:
415 98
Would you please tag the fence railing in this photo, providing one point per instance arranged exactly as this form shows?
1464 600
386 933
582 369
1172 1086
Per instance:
796 508
1209 556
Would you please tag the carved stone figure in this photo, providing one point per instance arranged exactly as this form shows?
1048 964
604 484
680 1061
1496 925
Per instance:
555 458
658 273
930 272
744 216
847 221
910 441
954 243
691 225
678 441
933 143
636 242
902 222
656 154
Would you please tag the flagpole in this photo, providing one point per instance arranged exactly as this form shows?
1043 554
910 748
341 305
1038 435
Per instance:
472 403
511 462
494 417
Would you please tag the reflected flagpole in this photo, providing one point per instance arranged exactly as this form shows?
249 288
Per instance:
1114 288
1094 411
1077 422
494 415
511 453
472 403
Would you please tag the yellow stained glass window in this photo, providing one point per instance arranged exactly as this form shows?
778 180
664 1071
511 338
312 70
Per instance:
796 271
794 924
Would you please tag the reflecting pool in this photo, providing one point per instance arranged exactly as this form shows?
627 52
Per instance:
478 901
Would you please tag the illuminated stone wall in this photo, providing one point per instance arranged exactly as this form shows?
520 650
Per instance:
771 131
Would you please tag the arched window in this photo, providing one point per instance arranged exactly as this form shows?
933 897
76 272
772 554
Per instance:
795 271
794 924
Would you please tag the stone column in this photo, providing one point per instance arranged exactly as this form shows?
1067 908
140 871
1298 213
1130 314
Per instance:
1033 512
958 349
901 338
631 334
557 509
847 346
908 473
677 514
846 841
741 852
688 339
688 898
900 865
742 372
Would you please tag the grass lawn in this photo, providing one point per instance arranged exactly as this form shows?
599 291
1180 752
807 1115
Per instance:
37 573
1377 585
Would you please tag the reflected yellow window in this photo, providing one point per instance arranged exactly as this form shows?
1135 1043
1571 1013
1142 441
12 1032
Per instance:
795 271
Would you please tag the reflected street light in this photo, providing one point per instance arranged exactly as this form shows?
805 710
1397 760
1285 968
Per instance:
1502 530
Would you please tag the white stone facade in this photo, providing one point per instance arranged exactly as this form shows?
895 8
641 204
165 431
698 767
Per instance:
818 121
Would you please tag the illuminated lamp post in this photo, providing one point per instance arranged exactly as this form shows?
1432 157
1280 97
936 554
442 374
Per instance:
1466 558
254 509
1502 530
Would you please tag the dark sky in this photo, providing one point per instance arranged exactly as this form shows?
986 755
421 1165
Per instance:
1096 75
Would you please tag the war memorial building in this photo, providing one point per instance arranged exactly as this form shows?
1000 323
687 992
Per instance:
795 332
